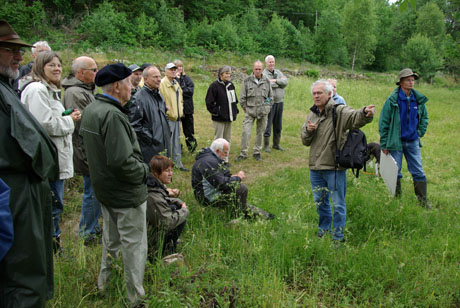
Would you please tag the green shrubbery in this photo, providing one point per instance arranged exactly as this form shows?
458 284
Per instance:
371 34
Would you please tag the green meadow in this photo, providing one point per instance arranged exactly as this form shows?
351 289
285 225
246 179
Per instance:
396 254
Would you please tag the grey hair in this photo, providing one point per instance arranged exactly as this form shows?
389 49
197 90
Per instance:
326 84
269 57
223 69
108 87
218 144
178 62
145 72
40 44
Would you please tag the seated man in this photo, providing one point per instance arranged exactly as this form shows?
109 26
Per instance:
166 215
214 185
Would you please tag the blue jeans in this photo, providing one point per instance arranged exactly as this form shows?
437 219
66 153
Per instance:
411 151
323 187
57 204
90 211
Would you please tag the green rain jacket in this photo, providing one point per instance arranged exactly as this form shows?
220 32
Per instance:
116 165
390 122
28 160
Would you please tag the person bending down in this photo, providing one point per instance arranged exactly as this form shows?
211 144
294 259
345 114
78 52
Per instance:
166 215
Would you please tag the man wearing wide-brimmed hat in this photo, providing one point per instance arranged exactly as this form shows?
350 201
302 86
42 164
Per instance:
28 160
403 121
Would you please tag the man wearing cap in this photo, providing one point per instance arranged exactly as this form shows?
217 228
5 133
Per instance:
148 116
28 161
136 78
119 175
403 121
172 94
79 93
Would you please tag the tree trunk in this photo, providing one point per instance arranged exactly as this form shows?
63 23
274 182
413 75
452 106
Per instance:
354 57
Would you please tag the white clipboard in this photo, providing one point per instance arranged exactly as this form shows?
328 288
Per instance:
389 172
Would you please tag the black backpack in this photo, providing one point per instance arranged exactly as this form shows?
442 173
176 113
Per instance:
354 152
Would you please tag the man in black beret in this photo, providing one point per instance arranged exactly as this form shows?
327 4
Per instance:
119 175
28 160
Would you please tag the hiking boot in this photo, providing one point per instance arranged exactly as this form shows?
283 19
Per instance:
258 212
267 144
241 157
257 157
420 192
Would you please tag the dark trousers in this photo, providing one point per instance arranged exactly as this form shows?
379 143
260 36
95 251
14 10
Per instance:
169 240
189 131
275 119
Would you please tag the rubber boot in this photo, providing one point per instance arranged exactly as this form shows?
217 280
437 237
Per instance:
398 189
276 142
420 192
267 144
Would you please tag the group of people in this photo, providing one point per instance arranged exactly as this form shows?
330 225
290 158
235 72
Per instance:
125 143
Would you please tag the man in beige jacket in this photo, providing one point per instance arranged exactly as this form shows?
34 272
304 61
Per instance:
326 179
172 94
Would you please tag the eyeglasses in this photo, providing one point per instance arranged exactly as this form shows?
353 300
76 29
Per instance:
14 50
90 69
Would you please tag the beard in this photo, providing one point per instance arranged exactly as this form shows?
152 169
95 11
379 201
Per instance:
9 72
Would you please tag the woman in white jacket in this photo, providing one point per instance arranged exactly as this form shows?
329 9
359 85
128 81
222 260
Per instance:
42 97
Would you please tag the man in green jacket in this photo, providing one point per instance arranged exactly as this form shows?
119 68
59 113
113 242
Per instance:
318 134
403 121
119 175
28 160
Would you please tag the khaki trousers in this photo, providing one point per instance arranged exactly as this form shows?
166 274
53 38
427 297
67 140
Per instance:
126 229
248 122
223 130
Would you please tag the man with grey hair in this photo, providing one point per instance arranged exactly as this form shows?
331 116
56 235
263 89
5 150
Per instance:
339 100
256 99
79 93
119 177
29 160
25 70
278 82
148 116
214 185
327 179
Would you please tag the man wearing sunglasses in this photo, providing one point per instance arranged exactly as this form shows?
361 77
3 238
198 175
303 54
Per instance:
28 160
79 93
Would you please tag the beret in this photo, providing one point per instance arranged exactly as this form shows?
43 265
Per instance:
111 73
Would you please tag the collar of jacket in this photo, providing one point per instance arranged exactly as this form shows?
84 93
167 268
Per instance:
7 80
72 81
330 104
262 78
111 101
393 99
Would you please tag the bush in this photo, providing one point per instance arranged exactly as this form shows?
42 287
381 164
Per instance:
29 21
420 55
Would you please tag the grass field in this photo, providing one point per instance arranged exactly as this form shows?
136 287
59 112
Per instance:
396 253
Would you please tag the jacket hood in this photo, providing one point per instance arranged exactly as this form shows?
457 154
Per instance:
72 81
206 152
153 182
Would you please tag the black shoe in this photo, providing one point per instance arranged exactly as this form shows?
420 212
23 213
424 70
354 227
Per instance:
183 169
92 241
278 147
240 157
227 164
257 157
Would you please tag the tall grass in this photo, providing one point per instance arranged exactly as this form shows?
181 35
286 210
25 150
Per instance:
396 253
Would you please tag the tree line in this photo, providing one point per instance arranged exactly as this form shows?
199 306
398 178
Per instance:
369 34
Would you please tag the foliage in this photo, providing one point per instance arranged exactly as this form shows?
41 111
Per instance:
358 29
430 22
329 42
421 55
29 21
